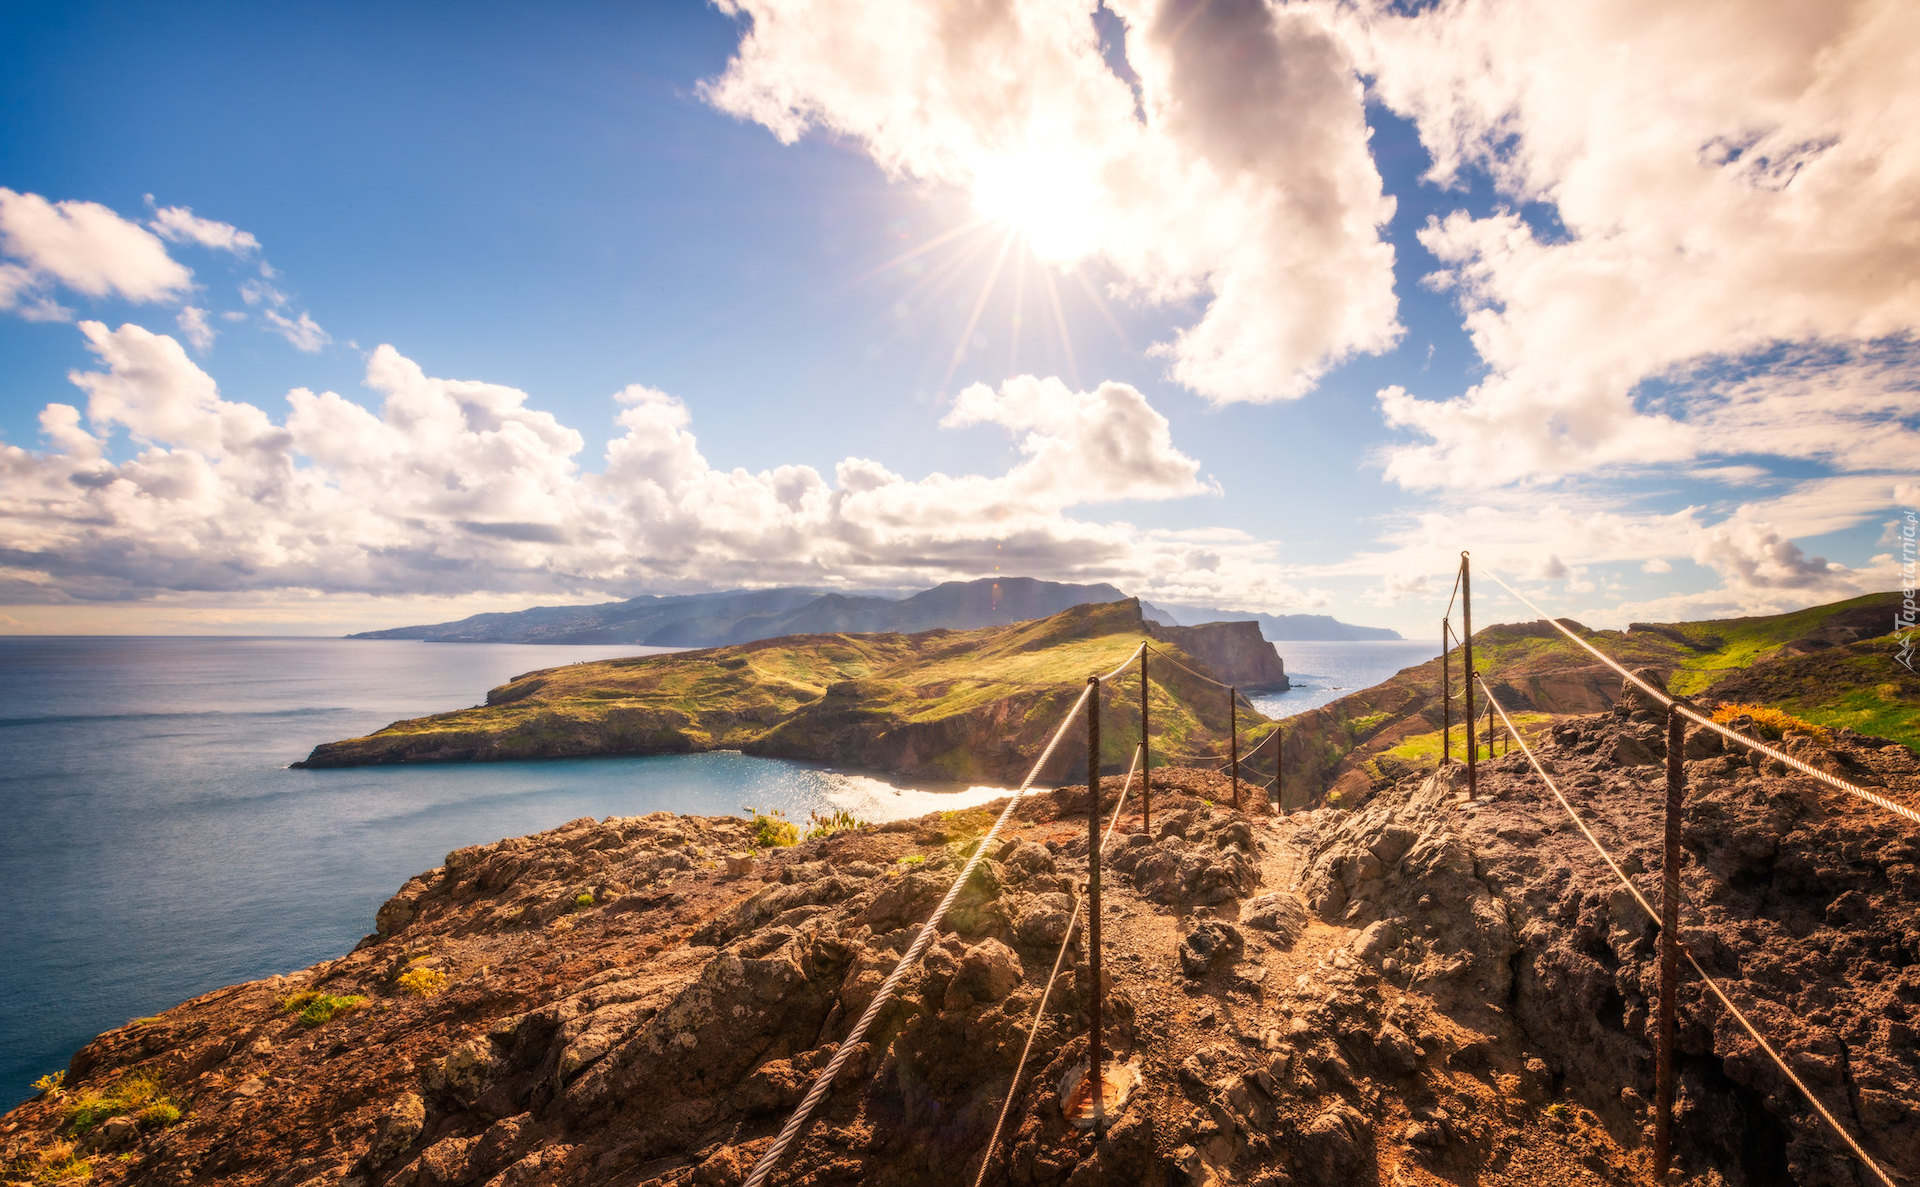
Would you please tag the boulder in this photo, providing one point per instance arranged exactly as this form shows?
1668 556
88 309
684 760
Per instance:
1208 945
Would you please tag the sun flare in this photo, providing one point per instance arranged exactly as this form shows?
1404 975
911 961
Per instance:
1045 196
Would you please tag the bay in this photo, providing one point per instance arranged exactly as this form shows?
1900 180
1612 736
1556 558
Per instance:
1322 672
154 845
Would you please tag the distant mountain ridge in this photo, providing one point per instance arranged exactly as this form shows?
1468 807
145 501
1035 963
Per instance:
743 616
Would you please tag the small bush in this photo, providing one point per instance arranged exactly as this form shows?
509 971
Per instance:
914 859
51 1086
837 821
56 1163
139 1096
419 982
772 830
1772 724
583 900
315 1008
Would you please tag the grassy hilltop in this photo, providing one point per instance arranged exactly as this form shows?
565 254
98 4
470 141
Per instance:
950 704
1830 665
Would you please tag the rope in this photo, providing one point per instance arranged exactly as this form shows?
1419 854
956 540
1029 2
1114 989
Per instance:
1457 569
1124 666
824 1080
1033 1028
1189 671
1687 711
1257 745
1684 950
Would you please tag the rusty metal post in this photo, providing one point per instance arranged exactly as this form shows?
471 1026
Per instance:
1233 741
1489 725
1146 754
1446 694
1664 1073
1466 669
1094 1082
1280 767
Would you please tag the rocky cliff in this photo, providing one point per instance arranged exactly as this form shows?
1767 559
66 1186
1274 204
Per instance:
1429 990
1235 652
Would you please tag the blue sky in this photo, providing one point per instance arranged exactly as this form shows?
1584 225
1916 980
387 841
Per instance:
567 201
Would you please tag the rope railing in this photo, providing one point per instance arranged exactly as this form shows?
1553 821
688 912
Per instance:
1040 1008
1654 915
824 1081
1690 713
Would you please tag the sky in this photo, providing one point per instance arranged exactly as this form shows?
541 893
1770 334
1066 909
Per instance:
328 318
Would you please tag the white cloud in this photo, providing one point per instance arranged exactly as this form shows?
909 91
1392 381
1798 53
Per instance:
1725 178
192 321
83 246
180 224
458 487
1239 175
303 332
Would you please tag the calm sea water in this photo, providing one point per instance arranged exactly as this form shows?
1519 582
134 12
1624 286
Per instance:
153 845
1323 672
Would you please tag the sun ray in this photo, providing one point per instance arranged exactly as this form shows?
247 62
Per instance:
1100 303
979 307
1019 312
1060 324
911 253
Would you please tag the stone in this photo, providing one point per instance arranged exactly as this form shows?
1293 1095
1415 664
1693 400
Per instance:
987 972
1210 944
119 1129
1281 914
1376 940
404 1120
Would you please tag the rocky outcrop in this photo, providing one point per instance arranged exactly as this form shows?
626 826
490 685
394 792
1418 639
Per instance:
613 1001
1236 652
1799 899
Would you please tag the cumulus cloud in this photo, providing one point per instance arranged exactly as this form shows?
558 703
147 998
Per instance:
179 224
1720 179
302 332
83 246
193 322
1230 168
459 486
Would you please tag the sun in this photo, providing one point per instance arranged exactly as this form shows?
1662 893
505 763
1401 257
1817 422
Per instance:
1045 196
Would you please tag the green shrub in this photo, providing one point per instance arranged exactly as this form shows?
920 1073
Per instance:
315 1008
583 900
421 982
837 821
51 1085
138 1096
772 830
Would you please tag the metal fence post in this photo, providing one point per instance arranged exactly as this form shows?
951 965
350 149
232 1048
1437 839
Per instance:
1146 753
1466 669
1664 1070
1446 694
1095 1083
1233 741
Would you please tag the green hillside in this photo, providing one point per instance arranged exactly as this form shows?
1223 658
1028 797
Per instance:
1832 665
951 704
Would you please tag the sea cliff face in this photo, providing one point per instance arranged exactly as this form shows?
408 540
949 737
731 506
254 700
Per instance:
1235 652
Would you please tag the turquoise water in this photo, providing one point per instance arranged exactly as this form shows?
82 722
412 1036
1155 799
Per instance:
1323 672
156 847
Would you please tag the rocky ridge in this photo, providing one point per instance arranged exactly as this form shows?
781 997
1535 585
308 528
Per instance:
1424 990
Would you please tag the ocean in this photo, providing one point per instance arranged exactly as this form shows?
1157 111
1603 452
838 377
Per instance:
1323 672
155 845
